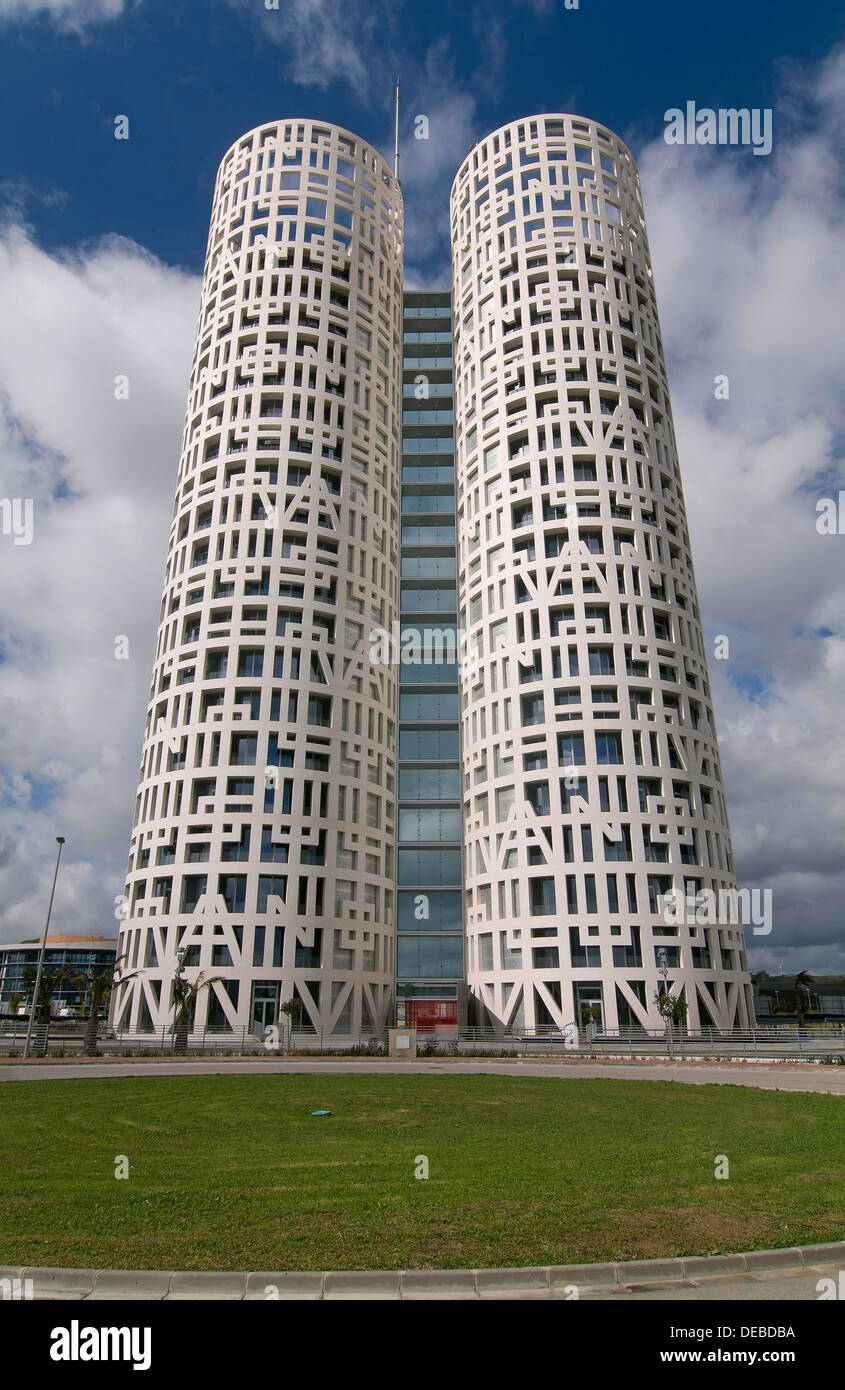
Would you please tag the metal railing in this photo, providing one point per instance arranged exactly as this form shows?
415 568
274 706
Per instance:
769 1041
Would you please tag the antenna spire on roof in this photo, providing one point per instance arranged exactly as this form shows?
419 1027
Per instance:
396 132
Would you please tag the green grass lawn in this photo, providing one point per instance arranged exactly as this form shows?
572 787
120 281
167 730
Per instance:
233 1173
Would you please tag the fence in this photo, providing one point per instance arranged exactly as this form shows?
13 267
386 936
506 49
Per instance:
776 1041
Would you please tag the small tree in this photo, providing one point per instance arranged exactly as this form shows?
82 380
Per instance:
292 1009
802 982
673 1009
14 1002
590 1013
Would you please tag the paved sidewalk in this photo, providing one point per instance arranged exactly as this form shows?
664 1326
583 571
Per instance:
772 1275
768 1077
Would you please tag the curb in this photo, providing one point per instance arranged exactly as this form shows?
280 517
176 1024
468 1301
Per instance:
553 1281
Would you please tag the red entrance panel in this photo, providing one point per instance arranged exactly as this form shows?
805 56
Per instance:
432 1015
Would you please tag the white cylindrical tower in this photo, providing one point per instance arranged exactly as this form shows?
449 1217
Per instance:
263 844
592 786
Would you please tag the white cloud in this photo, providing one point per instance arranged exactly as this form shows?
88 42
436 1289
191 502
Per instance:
439 124
69 14
750 283
101 474
326 41
427 168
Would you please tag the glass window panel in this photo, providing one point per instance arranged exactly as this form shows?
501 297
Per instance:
428 743
428 957
429 783
428 704
430 823
429 673
435 911
429 866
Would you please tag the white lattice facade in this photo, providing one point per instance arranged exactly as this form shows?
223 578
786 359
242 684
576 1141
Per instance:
263 845
591 773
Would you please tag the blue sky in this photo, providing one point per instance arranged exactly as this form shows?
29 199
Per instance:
101 248
192 77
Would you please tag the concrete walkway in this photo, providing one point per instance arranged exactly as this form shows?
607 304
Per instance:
800 1273
782 1076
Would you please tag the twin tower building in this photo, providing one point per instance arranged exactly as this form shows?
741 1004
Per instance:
430 736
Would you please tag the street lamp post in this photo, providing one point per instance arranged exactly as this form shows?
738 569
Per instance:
60 839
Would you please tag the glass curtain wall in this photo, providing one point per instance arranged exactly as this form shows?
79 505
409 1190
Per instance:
429 957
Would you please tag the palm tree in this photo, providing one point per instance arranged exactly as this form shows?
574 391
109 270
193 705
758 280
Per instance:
184 994
51 982
101 983
802 981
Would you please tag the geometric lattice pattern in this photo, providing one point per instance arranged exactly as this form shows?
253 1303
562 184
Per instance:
263 843
592 785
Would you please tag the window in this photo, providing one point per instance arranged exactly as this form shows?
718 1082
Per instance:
251 661
320 710
428 743
609 748
582 955
252 698
533 709
244 749
542 897
310 956
421 704
655 852
601 661
570 748
545 957
435 911
629 955
240 786
271 885
215 665
429 784
193 887
232 888
236 849
618 849
272 851
430 824
429 866
429 957
537 793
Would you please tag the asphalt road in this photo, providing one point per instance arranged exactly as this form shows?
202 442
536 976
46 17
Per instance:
778 1077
